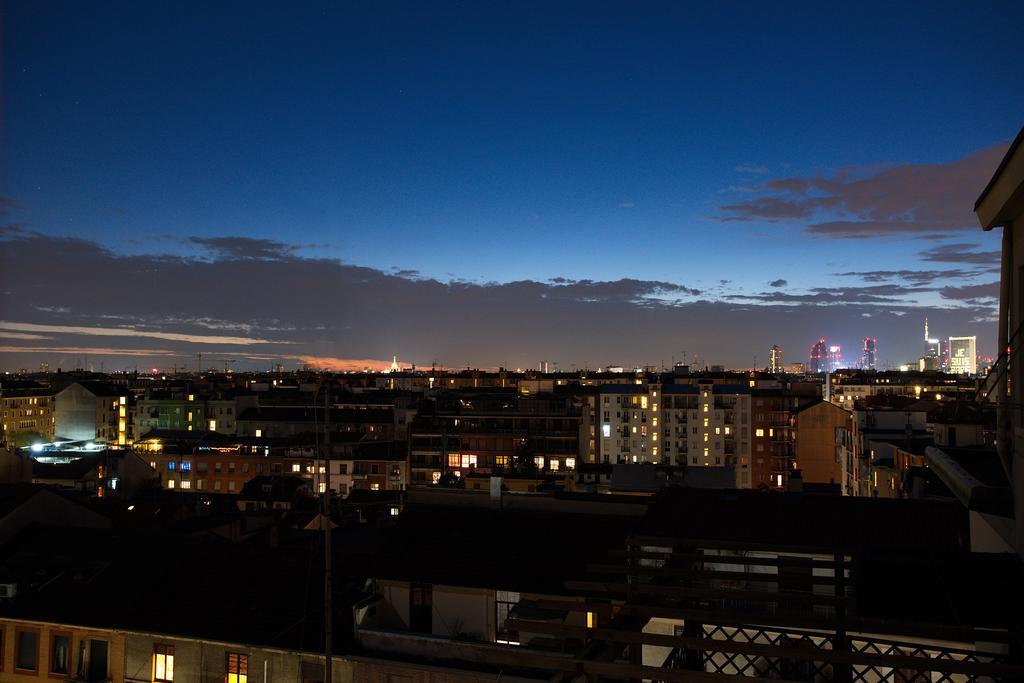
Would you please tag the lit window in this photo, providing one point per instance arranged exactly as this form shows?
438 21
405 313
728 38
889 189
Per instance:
643 402
238 668
213 425
591 620
771 432
123 400
705 452
706 437
454 459
395 511
170 483
570 463
705 422
322 487
296 467
259 433
728 431
718 430
375 487
501 461
186 484
163 662
655 422
553 465
705 407
435 477
190 416
539 462
758 432
606 431
191 397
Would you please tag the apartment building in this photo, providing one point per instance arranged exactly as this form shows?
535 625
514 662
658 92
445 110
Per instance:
827 446
208 462
27 415
90 410
492 431
689 425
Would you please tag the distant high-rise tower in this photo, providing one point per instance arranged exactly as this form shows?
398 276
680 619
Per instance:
963 355
869 356
932 347
819 358
825 357
775 360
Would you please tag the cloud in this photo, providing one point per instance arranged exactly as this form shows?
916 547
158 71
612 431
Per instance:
9 206
299 308
876 294
860 202
914 276
961 253
245 248
981 294
626 205
341 364
750 168
21 335
778 283
87 351
131 332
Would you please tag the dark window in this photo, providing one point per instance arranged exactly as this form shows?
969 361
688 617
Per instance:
421 607
28 646
60 654
97 660
503 604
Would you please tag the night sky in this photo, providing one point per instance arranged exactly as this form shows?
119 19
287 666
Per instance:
588 184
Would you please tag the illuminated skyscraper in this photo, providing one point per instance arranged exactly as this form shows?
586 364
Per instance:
932 347
824 358
775 359
868 356
963 355
818 362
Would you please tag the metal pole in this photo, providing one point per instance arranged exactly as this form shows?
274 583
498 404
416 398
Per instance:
326 521
1004 429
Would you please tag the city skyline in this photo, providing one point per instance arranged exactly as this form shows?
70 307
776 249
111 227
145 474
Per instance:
360 190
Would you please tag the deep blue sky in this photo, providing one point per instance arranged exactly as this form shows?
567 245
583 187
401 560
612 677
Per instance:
511 142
